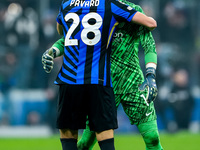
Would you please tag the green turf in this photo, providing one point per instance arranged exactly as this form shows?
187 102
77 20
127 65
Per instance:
180 141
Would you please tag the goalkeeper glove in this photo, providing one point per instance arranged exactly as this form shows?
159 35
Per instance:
150 84
47 59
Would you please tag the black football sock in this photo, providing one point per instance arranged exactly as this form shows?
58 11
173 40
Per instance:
107 144
69 144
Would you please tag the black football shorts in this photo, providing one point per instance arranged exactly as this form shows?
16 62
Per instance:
76 102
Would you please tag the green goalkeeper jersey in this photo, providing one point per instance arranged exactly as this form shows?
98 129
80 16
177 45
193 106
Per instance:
125 68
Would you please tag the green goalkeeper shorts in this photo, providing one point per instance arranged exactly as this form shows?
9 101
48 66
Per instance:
136 107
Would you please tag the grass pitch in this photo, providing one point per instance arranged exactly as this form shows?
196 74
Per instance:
179 141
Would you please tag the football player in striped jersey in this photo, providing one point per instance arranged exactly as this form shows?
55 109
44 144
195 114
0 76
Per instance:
84 78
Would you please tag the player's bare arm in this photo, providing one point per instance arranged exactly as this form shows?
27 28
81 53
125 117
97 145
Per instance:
144 20
59 29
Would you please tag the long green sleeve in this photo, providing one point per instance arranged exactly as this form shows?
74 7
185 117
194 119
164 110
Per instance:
146 38
59 45
148 44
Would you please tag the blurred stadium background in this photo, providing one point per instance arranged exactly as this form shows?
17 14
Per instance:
28 95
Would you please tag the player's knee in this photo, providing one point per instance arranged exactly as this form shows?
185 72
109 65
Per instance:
104 135
67 133
152 139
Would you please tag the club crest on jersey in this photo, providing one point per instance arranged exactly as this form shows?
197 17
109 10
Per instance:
128 7
82 3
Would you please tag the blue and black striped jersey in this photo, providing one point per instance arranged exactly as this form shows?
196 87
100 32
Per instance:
88 26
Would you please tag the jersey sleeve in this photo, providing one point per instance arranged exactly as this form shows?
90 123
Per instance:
59 45
147 41
148 44
121 11
58 19
146 38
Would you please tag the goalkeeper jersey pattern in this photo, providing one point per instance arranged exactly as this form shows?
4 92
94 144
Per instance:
126 72
88 27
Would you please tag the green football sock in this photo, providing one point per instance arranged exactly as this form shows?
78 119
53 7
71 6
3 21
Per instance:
87 140
149 131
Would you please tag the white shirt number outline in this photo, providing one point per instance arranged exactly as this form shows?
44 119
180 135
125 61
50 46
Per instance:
94 28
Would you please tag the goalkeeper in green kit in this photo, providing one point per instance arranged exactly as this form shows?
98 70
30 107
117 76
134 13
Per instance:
135 93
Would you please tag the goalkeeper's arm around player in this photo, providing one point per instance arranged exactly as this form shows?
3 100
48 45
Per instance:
149 46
